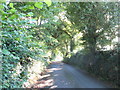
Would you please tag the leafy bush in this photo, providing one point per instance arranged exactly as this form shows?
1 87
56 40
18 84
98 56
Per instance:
19 48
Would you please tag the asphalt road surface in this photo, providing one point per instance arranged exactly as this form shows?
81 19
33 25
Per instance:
60 75
66 76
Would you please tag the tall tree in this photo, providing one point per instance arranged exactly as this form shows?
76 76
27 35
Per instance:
93 20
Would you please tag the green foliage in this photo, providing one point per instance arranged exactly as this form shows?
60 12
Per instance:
91 19
48 2
29 30
6 52
39 5
18 44
40 30
98 25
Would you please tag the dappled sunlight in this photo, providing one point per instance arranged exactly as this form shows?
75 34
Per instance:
46 80
34 70
36 66
54 69
56 75
58 58
43 83
44 76
17 69
54 86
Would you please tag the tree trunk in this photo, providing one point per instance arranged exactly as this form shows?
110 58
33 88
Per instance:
72 45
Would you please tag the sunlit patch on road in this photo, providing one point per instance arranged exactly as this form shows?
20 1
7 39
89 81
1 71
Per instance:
46 80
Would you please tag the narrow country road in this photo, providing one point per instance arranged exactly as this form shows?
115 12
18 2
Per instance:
65 76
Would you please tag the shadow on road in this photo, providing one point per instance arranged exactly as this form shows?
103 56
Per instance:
46 81
60 75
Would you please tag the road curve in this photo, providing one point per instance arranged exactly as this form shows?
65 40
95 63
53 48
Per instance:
66 76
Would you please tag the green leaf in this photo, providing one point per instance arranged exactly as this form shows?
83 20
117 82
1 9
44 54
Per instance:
13 16
1 6
12 10
1 11
39 5
30 36
11 5
5 51
31 7
30 14
16 57
48 2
